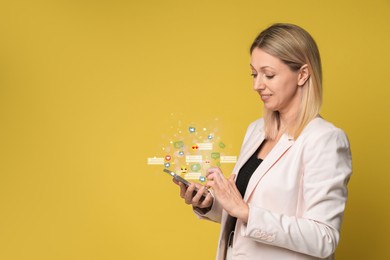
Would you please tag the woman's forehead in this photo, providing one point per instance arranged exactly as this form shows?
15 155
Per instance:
263 60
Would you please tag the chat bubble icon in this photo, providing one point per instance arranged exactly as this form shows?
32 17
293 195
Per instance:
215 155
195 167
178 144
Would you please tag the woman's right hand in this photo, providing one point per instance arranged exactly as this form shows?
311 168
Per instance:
187 193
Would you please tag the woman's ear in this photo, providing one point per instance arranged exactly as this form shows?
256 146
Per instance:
303 75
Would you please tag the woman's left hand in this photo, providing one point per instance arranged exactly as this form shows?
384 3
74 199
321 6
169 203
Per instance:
227 194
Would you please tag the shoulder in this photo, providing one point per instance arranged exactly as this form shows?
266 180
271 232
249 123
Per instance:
320 130
320 125
322 142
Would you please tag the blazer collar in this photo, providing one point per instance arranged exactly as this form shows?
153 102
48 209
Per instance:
257 137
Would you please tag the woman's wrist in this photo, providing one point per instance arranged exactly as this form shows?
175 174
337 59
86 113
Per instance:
242 213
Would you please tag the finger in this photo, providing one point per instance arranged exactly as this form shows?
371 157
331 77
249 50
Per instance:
210 184
205 199
218 180
183 189
197 199
211 170
220 175
232 181
210 177
189 194
215 179
214 174
198 185
208 201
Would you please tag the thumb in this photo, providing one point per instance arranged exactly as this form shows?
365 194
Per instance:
232 177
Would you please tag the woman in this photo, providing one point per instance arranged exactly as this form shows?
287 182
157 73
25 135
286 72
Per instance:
287 194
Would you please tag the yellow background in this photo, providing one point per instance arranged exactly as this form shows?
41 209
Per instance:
85 91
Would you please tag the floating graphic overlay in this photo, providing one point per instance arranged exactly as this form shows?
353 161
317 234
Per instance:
192 149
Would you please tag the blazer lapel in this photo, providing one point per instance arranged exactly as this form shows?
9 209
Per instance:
249 148
274 155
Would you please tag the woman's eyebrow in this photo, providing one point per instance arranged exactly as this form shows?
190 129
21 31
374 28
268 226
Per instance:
263 67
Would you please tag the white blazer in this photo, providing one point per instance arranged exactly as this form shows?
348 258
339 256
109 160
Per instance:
296 196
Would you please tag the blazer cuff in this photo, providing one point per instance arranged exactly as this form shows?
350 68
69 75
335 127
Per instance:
214 213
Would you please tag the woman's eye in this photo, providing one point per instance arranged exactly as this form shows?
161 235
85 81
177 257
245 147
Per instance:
269 76
254 75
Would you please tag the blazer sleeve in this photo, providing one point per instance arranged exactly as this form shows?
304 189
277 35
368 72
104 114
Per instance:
214 214
326 163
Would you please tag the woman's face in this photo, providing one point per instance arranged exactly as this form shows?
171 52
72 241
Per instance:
276 84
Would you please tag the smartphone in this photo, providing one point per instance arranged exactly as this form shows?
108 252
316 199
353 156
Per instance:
185 182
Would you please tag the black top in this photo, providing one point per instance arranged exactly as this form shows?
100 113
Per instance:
246 172
244 176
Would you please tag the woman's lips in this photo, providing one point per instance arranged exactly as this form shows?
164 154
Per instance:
265 97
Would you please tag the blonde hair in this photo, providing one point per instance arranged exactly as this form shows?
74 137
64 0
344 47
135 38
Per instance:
295 47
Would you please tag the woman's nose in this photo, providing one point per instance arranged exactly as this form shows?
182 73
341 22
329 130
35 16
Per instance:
258 83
